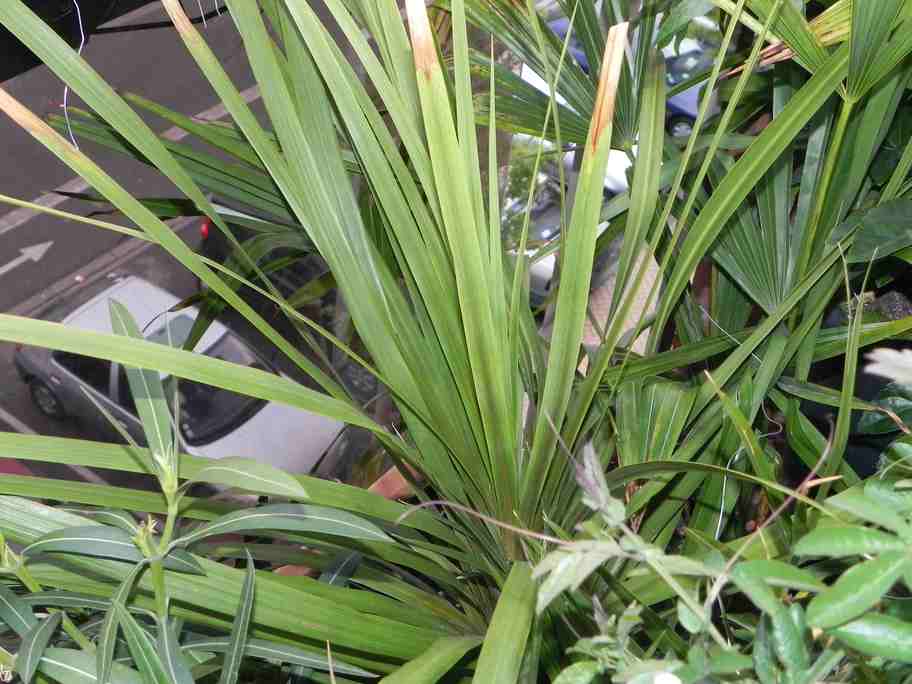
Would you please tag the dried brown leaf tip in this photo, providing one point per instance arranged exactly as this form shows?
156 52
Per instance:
608 82
422 36
180 19
30 122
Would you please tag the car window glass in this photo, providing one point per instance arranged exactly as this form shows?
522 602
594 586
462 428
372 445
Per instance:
124 395
208 413
95 372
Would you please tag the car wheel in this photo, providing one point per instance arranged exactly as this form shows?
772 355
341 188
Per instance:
46 401
680 126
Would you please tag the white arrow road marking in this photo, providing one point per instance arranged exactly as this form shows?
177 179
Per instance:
33 253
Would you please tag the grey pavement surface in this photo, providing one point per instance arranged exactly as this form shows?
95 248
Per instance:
152 63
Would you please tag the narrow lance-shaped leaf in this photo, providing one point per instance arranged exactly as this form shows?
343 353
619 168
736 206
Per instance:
878 635
78 667
110 516
145 656
201 368
149 396
173 659
251 475
849 540
105 542
290 518
433 664
283 653
115 456
502 652
780 574
238 639
859 588
573 293
213 599
107 636
33 645
15 613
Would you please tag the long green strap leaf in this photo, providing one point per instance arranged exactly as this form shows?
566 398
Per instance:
740 180
502 651
434 663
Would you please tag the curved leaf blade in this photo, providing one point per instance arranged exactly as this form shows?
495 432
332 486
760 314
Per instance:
260 648
145 657
857 590
290 518
171 655
502 652
878 635
849 540
15 613
251 475
107 637
780 574
434 663
101 541
78 667
238 639
33 646
148 395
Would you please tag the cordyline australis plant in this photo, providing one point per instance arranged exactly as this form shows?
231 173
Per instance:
495 418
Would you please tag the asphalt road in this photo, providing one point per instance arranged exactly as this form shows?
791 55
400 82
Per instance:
58 254
151 62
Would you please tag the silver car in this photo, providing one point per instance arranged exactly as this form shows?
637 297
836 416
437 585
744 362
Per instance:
214 423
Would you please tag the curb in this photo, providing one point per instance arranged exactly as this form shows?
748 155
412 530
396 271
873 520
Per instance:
93 271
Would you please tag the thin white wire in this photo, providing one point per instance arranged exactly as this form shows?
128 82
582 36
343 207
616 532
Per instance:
218 10
778 431
202 13
66 88
728 466
724 331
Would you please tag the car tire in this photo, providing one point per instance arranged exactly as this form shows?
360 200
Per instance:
46 400
680 126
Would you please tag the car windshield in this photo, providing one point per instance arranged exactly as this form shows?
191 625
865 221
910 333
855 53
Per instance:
685 66
208 413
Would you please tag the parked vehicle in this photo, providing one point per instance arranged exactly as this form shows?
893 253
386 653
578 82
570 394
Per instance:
213 422
687 61
683 61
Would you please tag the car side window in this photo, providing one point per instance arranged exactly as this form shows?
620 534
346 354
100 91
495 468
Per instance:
95 372
124 395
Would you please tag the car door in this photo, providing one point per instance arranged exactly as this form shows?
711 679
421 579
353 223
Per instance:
123 406
73 376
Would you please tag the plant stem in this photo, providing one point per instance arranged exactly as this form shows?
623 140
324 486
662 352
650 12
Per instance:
683 594
158 583
156 566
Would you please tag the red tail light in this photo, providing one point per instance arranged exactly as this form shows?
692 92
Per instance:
204 229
